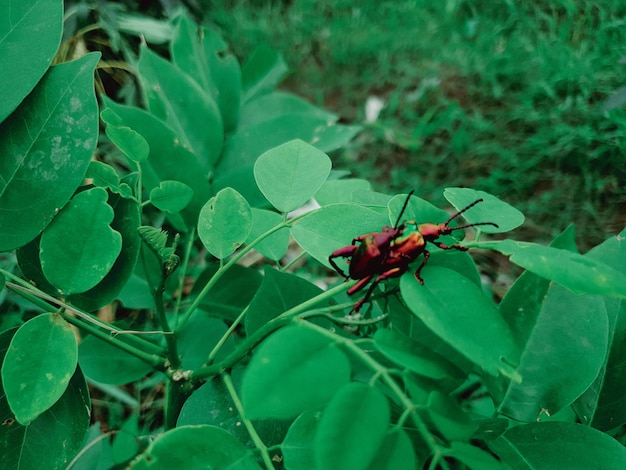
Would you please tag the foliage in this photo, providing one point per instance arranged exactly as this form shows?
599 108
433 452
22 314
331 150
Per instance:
250 370
515 98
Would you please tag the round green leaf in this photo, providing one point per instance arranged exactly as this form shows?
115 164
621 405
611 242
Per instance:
130 142
411 354
38 365
46 145
53 439
458 311
126 220
171 196
336 191
556 445
196 448
491 209
22 60
104 363
225 223
297 447
352 428
79 247
275 245
290 174
294 370
278 293
395 452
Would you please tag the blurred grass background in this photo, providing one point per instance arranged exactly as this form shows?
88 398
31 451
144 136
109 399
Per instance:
523 99
505 96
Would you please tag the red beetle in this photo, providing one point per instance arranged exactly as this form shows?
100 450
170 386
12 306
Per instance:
386 254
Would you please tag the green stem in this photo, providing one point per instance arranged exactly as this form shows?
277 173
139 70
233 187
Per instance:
258 443
43 300
176 393
153 360
224 338
172 347
382 372
271 326
220 272
183 271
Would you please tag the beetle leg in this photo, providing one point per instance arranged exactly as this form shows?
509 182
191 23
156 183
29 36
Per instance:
386 275
360 285
421 266
345 252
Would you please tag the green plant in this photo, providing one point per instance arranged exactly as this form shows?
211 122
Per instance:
268 369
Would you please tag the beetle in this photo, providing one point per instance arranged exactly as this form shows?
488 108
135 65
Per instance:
387 254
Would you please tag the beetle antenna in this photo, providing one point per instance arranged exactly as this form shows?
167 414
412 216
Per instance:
406 203
454 216
474 225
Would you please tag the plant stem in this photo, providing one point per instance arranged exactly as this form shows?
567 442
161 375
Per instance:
259 444
256 337
220 272
386 378
153 360
43 300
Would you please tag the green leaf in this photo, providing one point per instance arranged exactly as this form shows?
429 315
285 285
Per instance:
457 310
171 196
225 222
105 176
147 29
263 70
352 428
294 370
203 55
51 440
231 293
79 247
290 174
604 404
275 245
491 209
578 273
335 191
169 160
23 61
212 404
38 365
126 442
276 104
396 451
47 144
331 227
450 419
576 330
130 142
126 221
176 98
411 354
196 448
278 293
297 448
107 364
200 335
558 445
244 146
473 457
